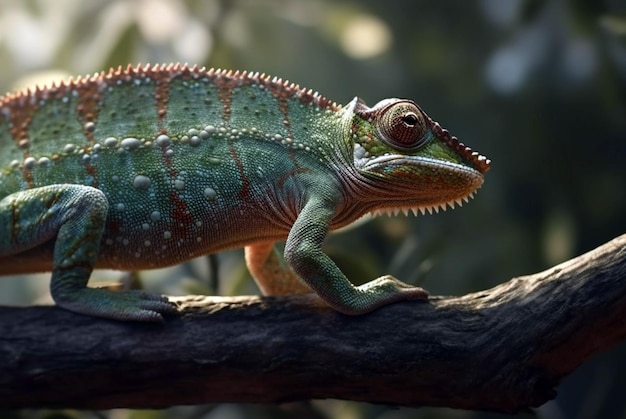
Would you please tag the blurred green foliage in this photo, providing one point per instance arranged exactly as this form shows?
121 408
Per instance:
537 86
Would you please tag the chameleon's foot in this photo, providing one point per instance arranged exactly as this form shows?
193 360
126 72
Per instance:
132 305
380 292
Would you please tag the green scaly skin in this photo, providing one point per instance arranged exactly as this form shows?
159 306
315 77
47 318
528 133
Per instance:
149 167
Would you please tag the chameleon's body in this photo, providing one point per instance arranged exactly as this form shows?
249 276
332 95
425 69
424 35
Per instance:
149 167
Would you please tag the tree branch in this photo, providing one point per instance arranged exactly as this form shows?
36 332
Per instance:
502 349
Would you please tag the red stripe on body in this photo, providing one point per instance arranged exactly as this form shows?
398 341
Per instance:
21 111
162 96
244 193
225 86
88 108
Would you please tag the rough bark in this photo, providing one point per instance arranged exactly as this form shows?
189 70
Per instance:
502 349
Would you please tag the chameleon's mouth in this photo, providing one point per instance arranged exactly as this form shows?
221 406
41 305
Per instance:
420 184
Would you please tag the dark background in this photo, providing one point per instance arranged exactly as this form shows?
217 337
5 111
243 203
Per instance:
537 86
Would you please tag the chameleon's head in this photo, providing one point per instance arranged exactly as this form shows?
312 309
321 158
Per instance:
410 161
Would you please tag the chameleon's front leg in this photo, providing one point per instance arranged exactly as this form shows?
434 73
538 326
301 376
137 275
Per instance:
270 272
303 252
73 218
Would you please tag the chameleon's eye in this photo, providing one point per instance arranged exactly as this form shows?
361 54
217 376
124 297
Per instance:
402 125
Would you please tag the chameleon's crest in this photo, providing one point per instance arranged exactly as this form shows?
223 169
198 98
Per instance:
164 73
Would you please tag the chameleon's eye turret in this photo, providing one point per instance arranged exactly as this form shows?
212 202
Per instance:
402 125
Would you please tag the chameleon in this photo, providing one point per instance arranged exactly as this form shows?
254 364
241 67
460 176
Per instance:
150 166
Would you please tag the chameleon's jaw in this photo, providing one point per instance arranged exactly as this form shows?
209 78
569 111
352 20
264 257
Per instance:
417 184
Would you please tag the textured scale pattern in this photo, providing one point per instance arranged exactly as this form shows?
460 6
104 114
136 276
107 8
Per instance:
147 167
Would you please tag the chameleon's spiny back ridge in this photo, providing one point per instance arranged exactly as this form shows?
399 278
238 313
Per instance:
164 73
19 108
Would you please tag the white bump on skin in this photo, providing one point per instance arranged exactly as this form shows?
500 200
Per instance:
130 143
90 127
110 142
141 182
209 193
29 163
163 140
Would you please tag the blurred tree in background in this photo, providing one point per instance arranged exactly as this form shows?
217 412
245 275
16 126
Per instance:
537 86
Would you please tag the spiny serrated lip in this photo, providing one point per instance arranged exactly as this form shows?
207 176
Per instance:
423 209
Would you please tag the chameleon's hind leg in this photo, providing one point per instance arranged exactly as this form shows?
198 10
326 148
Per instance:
73 217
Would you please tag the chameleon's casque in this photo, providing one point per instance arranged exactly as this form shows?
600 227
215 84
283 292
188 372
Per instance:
148 167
